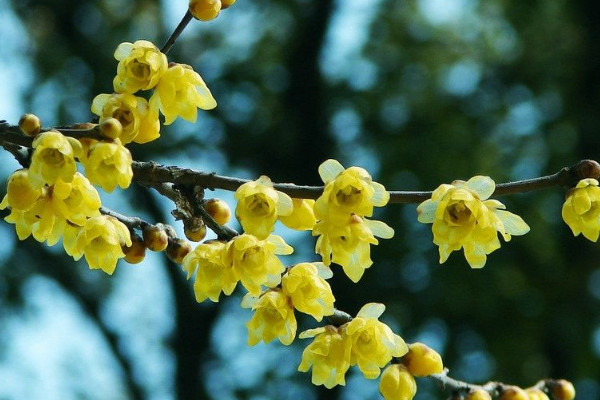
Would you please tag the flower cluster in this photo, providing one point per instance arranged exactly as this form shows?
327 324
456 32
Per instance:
463 217
344 234
364 341
178 92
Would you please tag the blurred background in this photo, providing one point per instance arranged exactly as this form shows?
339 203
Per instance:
418 92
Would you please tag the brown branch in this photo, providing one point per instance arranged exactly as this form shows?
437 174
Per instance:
178 30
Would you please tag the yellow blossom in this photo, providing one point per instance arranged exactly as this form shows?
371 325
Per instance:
302 217
213 276
40 220
581 210
180 92
373 342
273 318
305 284
141 66
75 201
328 355
463 217
536 394
53 157
397 383
108 164
255 261
348 191
138 122
422 360
259 205
20 194
349 244
100 240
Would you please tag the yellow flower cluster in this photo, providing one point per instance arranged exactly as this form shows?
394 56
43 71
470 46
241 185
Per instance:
344 234
65 209
178 92
364 341
463 217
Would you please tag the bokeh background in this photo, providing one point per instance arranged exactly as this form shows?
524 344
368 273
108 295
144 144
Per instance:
419 92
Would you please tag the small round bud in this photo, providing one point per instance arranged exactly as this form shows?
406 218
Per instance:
30 124
536 394
422 360
205 10
168 228
155 237
111 128
513 393
478 394
218 210
135 253
562 389
397 383
195 235
226 3
178 249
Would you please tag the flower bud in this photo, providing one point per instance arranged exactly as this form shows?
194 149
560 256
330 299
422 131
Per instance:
226 3
396 383
135 253
30 124
178 249
155 237
562 389
513 393
536 394
218 210
422 360
205 10
111 128
195 234
168 228
478 394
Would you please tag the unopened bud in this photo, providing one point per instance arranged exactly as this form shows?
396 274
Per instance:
397 383
226 3
111 128
135 253
155 237
30 124
195 234
562 389
513 393
422 360
218 210
536 394
178 249
478 394
205 10
168 228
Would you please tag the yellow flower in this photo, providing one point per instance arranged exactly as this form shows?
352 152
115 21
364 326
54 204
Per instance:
304 283
213 276
328 355
20 194
40 220
139 124
581 210
258 206
536 394
75 201
349 245
53 158
373 342
100 240
397 383
141 66
462 217
205 10
255 261
108 164
180 92
273 318
422 360
302 217
348 191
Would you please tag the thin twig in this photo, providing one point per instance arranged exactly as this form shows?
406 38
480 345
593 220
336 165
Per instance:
173 38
